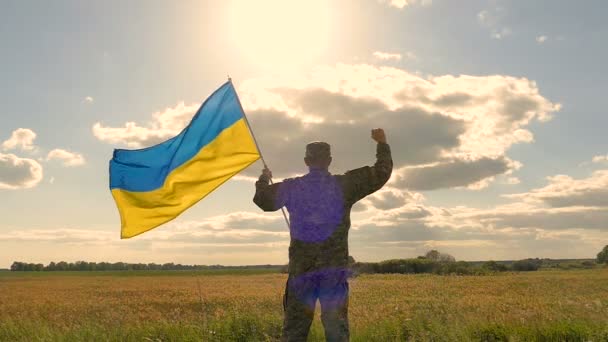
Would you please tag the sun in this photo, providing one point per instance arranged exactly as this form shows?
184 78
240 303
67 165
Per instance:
280 33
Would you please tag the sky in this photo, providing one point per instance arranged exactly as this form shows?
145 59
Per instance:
494 110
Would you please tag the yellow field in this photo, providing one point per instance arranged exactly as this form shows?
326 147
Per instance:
163 306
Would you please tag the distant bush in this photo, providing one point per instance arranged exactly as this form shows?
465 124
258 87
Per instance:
588 264
494 266
416 266
575 264
435 255
396 266
526 265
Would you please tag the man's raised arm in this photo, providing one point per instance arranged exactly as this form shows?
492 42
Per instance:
367 180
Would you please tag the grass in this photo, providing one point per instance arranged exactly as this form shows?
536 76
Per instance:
168 306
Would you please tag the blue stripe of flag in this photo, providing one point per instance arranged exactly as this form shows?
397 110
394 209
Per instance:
146 169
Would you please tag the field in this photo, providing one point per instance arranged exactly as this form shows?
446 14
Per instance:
246 306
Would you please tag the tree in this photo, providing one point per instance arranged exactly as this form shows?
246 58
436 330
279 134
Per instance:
440 257
602 257
444 257
17 266
432 255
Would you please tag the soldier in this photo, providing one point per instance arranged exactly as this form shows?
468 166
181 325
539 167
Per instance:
319 205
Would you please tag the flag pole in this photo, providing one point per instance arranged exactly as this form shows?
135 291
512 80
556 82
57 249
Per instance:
256 144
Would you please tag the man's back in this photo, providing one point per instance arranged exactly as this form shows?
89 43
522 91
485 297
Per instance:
319 205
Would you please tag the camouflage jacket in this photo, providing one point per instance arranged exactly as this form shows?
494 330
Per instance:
319 205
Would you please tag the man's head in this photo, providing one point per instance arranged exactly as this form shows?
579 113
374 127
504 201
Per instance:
318 155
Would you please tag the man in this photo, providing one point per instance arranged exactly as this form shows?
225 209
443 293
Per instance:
319 205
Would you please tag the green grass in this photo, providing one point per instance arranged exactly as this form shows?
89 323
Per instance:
168 306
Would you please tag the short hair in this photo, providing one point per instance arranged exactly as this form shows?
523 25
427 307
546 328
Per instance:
318 150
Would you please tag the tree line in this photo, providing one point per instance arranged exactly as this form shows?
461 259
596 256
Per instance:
121 266
440 263
432 262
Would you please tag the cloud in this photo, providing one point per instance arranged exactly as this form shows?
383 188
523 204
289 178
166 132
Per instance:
492 20
442 125
452 174
243 178
58 235
244 220
390 198
402 3
513 231
565 203
22 138
18 173
397 223
484 17
585 218
67 158
568 216
232 230
541 39
600 159
165 124
502 33
565 191
387 56
88 99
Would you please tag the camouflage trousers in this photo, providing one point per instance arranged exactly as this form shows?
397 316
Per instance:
301 294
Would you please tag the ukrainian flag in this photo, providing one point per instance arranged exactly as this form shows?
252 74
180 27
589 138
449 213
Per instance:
152 186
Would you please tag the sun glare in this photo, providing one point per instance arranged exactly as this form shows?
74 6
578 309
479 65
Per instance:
280 33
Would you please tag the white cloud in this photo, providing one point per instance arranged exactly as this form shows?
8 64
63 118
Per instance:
502 33
22 138
402 3
88 99
18 173
437 124
396 223
452 174
243 178
541 39
66 157
585 218
387 55
232 230
389 198
600 159
565 191
567 218
165 124
57 235
492 20
186 247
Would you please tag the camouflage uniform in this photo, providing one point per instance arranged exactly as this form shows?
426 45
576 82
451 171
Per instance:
319 205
